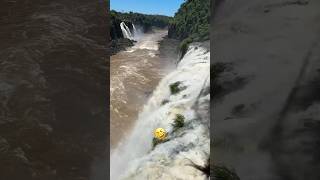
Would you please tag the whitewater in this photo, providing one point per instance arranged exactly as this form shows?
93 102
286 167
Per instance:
135 158
126 31
134 74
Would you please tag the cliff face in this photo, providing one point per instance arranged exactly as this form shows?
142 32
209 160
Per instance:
117 41
115 29
53 86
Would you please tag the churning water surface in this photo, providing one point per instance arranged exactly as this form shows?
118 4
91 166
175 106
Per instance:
134 74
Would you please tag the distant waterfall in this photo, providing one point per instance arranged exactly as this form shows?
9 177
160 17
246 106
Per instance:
134 29
126 31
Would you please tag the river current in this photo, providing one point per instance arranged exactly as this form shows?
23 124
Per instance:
134 74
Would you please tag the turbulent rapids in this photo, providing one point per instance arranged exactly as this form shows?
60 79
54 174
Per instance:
134 75
188 147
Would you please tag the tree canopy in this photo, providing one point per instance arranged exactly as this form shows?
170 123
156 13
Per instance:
144 20
191 21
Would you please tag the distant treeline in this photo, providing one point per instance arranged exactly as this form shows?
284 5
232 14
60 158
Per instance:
191 22
143 20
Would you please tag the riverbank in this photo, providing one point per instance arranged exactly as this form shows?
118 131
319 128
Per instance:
120 44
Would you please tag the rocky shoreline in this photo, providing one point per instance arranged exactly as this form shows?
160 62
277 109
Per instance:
120 44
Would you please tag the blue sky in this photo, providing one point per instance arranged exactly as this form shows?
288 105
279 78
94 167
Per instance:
163 7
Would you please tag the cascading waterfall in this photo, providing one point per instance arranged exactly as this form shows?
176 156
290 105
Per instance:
134 30
125 31
173 159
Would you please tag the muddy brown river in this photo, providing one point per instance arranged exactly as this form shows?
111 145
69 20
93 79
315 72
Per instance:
134 74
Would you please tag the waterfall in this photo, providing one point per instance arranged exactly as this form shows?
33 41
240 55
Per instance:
134 30
125 31
135 159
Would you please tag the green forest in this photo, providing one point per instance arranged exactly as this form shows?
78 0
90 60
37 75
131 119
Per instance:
191 20
143 20
191 23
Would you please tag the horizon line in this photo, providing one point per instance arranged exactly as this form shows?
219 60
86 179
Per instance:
126 11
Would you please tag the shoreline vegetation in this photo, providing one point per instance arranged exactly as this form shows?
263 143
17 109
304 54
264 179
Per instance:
189 24
144 21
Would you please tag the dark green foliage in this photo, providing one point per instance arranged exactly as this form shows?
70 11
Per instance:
143 20
156 141
183 47
223 173
175 87
178 121
191 21
115 30
136 17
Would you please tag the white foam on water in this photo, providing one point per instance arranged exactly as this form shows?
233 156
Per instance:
135 159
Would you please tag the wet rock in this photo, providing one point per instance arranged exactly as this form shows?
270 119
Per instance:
121 44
